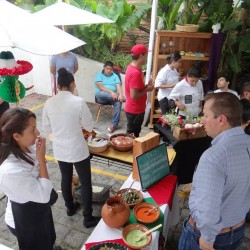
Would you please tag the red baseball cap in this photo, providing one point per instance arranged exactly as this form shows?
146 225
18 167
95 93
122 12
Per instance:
139 49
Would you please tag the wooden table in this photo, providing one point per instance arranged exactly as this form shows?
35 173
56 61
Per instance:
113 155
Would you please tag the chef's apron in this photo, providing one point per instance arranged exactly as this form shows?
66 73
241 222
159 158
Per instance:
34 225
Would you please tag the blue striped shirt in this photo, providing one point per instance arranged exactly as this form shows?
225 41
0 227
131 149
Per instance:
220 195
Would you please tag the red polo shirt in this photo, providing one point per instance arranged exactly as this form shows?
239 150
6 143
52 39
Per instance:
134 79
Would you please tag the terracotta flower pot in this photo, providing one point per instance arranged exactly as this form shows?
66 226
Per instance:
115 213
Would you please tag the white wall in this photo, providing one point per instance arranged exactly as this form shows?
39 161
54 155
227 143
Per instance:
85 78
42 80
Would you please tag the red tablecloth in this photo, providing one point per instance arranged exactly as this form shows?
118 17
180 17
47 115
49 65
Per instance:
163 191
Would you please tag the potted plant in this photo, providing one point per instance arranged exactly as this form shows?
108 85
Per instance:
168 11
190 16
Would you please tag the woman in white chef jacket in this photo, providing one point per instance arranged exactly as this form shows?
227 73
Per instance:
166 79
188 94
24 179
65 115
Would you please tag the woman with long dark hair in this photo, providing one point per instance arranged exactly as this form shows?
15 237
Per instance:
65 115
188 94
166 79
25 181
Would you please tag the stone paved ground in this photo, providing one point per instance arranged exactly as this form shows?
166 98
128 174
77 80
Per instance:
70 232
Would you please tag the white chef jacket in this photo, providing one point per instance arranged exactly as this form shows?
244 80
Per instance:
166 76
21 183
188 95
229 90
65 115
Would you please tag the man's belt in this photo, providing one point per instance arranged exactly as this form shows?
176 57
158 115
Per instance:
223 230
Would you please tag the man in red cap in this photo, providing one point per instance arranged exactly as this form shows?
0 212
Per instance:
136 90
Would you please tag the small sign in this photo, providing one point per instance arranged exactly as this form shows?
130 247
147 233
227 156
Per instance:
153 165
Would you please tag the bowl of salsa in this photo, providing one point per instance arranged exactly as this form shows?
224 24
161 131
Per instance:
131 196
142 214
131 233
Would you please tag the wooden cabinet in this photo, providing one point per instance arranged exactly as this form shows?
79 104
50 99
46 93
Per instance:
166 42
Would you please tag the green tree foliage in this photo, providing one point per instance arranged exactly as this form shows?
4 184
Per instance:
168 10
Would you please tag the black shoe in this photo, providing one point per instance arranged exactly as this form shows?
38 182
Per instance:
91 222
72 211
56 247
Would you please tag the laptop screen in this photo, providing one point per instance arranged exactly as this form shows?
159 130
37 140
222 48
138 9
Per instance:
153 165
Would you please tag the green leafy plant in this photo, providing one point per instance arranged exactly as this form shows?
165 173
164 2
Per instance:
191 12
125 17
168 12
121 60
235 54
218 17
216 12
102 36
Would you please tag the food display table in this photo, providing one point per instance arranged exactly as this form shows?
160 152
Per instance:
188 153
164 191
113 155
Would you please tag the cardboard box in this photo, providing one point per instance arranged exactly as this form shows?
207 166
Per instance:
185 134
142 145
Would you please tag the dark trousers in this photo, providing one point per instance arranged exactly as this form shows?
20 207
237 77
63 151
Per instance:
134 123
84 174
164 105
34 226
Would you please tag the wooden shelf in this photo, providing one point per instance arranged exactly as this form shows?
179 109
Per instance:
183 41
189 58
174 33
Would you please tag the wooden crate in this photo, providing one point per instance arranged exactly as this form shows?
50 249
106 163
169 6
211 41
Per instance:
142 145
183 134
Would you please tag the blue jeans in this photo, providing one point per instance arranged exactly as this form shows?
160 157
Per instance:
106 99
189 239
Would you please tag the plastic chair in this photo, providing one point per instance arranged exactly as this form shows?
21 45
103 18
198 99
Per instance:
103 107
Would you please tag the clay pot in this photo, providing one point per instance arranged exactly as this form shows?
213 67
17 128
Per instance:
115 213
122 142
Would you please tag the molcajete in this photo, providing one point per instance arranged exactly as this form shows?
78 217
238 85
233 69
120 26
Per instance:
115 213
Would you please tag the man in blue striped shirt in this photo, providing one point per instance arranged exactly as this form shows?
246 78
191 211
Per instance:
220 195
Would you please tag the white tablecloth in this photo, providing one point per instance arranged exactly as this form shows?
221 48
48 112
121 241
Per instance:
2 247
102 232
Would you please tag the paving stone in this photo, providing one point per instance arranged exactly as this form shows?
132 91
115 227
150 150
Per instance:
74 240
61 231
70 220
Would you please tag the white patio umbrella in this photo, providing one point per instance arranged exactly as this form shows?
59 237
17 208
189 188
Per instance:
62 13
19 29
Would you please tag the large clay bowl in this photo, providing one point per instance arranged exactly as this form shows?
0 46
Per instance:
131 196
140 213
129 232
122 142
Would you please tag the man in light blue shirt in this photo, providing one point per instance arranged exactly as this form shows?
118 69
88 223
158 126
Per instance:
108 91
220 195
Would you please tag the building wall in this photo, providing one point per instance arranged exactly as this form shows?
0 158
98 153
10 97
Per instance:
42 80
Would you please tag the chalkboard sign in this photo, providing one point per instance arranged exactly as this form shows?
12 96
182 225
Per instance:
153 165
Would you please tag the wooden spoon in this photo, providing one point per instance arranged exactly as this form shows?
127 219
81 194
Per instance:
138 238
152 209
